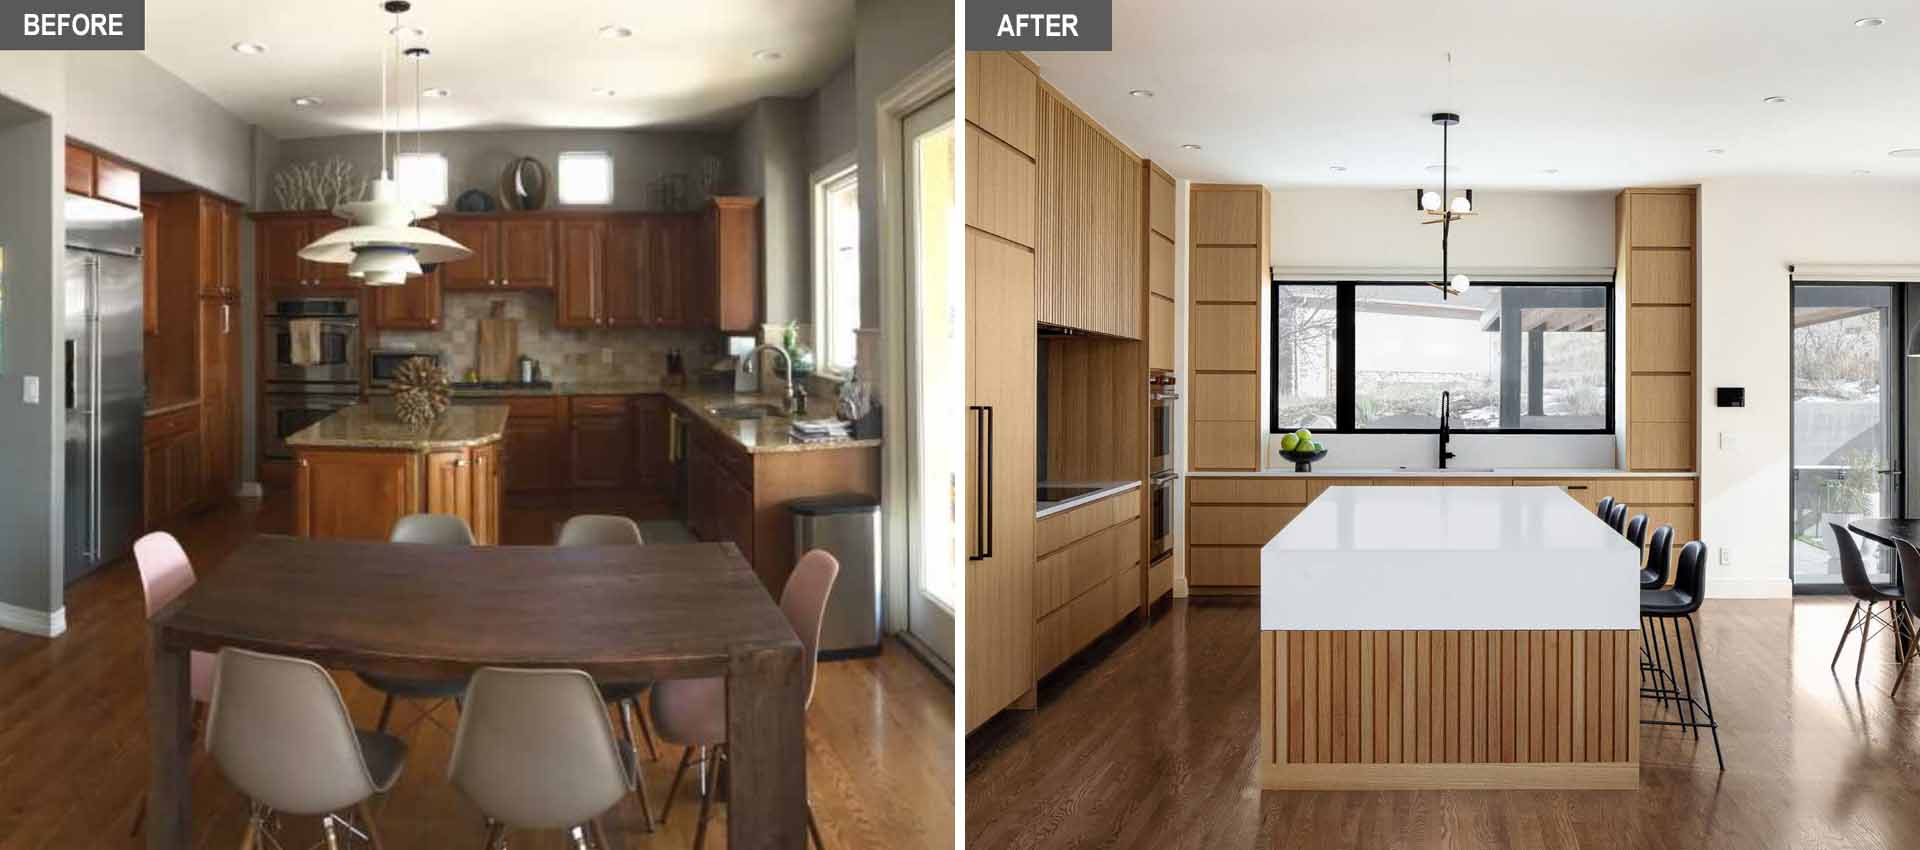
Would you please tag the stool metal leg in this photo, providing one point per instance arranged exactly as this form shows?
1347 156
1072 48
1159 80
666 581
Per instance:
1707 693
1686 678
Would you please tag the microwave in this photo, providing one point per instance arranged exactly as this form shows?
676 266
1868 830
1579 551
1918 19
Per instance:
383 364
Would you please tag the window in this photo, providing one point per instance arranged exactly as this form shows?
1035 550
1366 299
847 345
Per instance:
836 268
1374 357
585 177
422 177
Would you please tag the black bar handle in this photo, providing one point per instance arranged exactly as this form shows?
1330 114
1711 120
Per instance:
976 549
986 492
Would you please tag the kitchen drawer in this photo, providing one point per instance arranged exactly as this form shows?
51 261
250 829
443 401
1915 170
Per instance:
1236 525
1681 517
1649 491
1247 491
1057 636
1126 592
172 424
1316 486
1055 531
1223 566
1076 568
598 405
529 407
1586 491
1159 580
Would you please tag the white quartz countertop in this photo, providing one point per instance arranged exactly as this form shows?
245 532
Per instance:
1321 471
1518 557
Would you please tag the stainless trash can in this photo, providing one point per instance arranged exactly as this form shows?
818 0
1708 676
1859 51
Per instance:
849 527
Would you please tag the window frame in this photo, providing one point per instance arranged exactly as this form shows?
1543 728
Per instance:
446 174
824 181
1346 379
559 185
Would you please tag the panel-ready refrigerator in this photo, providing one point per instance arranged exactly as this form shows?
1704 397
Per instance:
105 383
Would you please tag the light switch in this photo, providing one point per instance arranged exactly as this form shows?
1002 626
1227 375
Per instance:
1726 556
1727 442
30 389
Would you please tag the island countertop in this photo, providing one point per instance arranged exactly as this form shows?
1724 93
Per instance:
1375 558
366 426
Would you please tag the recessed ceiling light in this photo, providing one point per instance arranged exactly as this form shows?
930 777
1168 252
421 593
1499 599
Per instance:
306 100
1337 169
435 93
1716 151
1773 99
1861 172
250 48
769 54
1141 93
614 31
1190 147
405 31
1868 23
603 91
1904 153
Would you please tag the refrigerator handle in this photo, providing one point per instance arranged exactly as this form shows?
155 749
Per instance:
93 408
70 375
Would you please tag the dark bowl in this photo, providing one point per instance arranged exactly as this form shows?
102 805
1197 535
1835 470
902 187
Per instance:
1303 461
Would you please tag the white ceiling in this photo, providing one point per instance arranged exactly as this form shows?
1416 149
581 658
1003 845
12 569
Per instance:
1616 93
689 63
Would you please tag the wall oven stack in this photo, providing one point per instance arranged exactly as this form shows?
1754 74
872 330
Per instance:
315 367
1162 394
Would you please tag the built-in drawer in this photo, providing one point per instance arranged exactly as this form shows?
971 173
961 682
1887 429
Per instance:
1159 580
170 424
1057 530
1237 525
1316 486
599 405
1247 491
1586 491
1126 592
1223 566
530 407
1071 571
1650 491
1057 636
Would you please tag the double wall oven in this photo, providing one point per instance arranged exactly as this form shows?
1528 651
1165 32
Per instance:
1161 475
314 369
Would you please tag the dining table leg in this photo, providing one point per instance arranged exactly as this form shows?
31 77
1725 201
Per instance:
766 742
169 738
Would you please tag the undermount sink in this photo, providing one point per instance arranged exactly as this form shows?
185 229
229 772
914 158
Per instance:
746 411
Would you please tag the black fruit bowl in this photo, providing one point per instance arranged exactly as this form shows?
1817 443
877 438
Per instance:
1303 461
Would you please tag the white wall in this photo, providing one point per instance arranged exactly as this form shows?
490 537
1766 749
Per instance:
1751 230
1357 232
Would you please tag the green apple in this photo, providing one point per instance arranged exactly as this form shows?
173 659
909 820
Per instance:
1305 435
1317 447
1289 441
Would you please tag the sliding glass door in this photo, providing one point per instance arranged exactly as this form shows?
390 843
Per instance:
936 386
1847 377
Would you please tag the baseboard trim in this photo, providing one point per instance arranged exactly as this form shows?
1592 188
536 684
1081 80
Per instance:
251 490
29 621
1749 588
1180 587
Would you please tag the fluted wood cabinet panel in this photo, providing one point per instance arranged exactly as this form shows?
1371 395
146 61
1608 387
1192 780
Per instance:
1660 276
1225 273
1002 99
1160 265
1000 185
1159 333
1224 337
1088 252
1160 202
1227 215
1461 709
1660 218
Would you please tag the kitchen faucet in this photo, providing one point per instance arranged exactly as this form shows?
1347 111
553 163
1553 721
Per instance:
1446 433
746 366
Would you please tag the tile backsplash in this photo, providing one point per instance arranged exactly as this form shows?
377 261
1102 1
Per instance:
565 354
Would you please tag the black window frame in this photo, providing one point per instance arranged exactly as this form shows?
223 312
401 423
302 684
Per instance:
1344 358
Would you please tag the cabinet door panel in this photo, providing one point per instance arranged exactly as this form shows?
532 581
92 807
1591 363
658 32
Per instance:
602 450
450 484
354 495
480 271
672 284
533 455
582 248
526 254
652 458
489 483
328 275
280 241
628 270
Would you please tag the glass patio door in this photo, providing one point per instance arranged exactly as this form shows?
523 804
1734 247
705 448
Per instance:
1847 378
937 386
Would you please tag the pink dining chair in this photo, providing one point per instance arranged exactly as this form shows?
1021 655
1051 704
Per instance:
165 573
693 712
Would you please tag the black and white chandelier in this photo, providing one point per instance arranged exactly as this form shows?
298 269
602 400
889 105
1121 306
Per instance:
382 246
1444 209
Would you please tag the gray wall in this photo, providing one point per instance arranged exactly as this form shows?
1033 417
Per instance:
770 155
31 167
475 159
892 39
835 130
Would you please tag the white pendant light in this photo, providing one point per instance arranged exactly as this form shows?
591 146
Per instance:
382 247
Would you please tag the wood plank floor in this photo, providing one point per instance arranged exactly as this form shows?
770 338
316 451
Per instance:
73 753
1149 741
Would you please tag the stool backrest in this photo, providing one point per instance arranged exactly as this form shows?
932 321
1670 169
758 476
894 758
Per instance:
1853 567
599 530
1637 531
1605 508
1690 577
1660 553
535 750
804 601
1617 517
282 735
165 572
442 529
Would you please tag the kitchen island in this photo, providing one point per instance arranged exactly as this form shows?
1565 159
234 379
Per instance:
359 470
1448 637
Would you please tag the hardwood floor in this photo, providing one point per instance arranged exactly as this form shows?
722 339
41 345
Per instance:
73 753
1148 741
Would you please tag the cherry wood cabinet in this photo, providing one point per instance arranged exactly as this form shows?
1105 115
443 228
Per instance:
193 350
508 252
97 175
581 296
173 465
358 494
652 441
414 305
651 269
219 398
482 237
150 268
526 254
600 441
732 243
279 240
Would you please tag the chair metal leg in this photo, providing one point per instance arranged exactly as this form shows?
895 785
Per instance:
1686 678
813 829
496 832
686 758
1866 633
250 839
386 714
333 837
373 829
708 790
1713 724
1851 616
646 732
639 777
599 834
1666 650
1903 617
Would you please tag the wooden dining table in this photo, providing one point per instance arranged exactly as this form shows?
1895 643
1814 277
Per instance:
617 612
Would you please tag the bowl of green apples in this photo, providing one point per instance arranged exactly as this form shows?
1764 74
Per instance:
1303 448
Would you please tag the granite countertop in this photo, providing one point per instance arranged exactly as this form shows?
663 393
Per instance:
365 426
558 388
1393 472
766 434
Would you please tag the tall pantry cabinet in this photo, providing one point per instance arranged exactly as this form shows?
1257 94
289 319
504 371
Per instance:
1003 98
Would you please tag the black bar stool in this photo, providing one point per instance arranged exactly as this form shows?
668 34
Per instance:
1604 508
1667 609
1853 572
1653 576
1637 535
1617 517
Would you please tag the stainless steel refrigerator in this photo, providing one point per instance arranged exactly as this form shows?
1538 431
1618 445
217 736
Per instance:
105 383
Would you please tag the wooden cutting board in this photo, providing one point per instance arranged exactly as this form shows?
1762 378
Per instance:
499 345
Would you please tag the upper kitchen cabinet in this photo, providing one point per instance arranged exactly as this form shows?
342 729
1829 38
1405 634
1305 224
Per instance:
480 271
732 297
100 176
650 264
1159 237
508 253
414 305
1088 252
1002 97
1657 267
280 236
1227 261
582 290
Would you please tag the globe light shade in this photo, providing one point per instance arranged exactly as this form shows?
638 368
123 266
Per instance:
384 265
1459 283
1430 201
1460 205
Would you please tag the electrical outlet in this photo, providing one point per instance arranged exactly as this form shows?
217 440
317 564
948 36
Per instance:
30 389
1726 556
606 356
